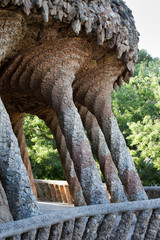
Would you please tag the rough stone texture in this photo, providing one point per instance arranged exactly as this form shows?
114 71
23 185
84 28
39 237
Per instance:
152 229
78 56
5 214
158 234
43 233
67 230
13 174
107 167
103 155
12 29
110 20
55 231
114 26
75 188
67 163
17 125
152 192
80 224
49 219
57 92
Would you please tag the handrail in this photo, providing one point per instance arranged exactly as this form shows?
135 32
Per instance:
59 182
152 188
45 220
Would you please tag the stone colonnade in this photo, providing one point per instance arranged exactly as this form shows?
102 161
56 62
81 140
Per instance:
64 71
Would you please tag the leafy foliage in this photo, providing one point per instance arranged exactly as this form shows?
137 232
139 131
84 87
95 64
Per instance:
146 136
148 172
137 108
42 150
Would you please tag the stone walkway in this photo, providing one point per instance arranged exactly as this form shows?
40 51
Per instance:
46 207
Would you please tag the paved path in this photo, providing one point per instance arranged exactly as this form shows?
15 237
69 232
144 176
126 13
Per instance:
46 207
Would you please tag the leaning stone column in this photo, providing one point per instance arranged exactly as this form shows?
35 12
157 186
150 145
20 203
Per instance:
108 169
122 159
103 155
67 163
94 92
127 171
13 173
5 214
55 77
153 226
17 125
71 177
158 234
76 141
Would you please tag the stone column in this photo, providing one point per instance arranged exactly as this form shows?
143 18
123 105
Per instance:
5 214
14 176
94 92
108 168
121 157
70 174
17 125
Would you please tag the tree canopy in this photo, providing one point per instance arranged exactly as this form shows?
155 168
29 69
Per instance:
42 150
137 108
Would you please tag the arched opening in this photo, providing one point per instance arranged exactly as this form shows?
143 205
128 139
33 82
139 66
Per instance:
42 150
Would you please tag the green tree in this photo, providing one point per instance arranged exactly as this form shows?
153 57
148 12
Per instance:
146 137
42 150
144 56
137 108
147 171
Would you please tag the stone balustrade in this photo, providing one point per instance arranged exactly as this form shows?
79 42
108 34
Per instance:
53 191
53 225
49 226
58 191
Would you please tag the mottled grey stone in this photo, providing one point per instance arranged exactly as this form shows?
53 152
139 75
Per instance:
13 173
5 214
49 219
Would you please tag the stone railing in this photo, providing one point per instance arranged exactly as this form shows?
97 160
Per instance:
53 191
53 225
58 191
